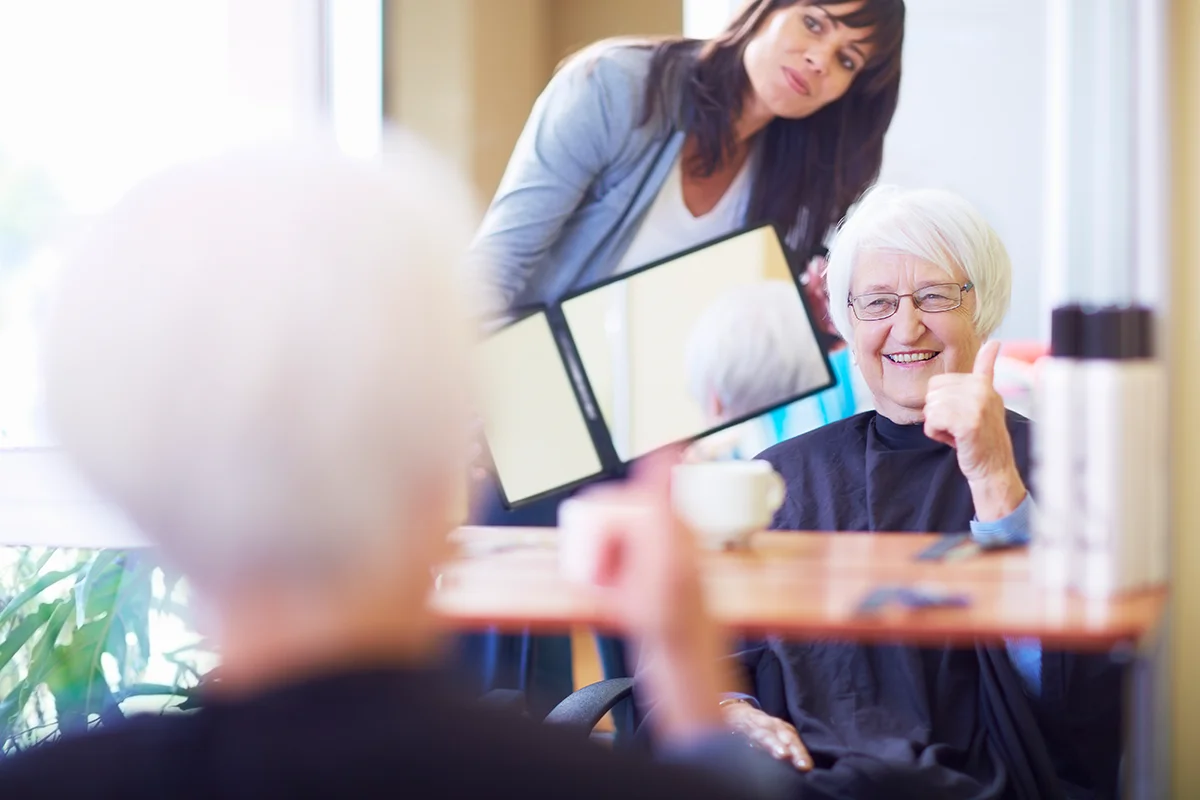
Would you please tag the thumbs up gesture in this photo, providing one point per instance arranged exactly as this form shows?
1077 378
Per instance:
965 411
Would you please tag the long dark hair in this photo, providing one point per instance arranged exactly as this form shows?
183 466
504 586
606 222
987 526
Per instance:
810 170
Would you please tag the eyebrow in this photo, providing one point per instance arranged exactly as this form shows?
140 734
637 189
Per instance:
879 288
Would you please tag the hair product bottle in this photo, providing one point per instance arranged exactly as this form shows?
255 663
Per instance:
1125 470
1059 449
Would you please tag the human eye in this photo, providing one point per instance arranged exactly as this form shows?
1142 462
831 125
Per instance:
878 305
812 23
847 63
935 297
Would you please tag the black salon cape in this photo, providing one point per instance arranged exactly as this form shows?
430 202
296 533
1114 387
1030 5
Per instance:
904 722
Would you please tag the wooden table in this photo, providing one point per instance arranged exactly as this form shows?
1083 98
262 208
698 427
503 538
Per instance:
809 585
798 585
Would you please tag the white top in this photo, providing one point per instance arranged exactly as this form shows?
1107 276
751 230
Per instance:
670 228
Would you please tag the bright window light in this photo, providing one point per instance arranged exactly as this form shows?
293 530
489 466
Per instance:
109 93
354 58
703 19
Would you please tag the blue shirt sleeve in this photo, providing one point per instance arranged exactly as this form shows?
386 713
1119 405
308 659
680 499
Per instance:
1011 530
1025 654
580 120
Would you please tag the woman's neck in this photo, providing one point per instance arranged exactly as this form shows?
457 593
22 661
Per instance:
754 117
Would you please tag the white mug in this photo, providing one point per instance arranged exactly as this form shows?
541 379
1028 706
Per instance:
726 501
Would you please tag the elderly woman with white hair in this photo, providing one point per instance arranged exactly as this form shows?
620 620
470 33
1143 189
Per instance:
263 359
918 283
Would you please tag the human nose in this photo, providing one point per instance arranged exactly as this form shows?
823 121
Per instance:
908 322
818 56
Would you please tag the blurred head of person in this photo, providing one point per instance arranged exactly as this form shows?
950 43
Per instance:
262 358
746 353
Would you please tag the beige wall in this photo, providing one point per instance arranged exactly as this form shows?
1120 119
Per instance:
576 23
465 73
1184 73
428 71
510 70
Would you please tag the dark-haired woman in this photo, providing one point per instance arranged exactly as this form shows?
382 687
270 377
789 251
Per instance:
637 150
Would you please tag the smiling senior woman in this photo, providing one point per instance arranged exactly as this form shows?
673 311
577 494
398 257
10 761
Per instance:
920 282
926 282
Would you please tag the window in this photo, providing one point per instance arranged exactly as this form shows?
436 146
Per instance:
705 18
122 89
99 95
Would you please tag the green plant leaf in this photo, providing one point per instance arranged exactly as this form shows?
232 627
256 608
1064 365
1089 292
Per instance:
41 661
43 559
117 646
41 658
134 604
76 678
34 589
10 709
97 590
23 631
79 691
91 637
87 645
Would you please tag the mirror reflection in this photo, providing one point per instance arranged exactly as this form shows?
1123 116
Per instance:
697 342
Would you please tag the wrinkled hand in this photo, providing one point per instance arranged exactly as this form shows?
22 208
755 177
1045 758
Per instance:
772 734
965 411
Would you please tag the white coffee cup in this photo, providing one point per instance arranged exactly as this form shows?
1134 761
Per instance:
726 501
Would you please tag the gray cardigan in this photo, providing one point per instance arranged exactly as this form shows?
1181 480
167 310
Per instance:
581 179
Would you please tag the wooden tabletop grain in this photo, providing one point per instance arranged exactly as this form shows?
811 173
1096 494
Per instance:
799 585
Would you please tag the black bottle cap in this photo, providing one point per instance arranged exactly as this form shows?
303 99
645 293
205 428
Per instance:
1102 333
1141 332
1118 333
1066 331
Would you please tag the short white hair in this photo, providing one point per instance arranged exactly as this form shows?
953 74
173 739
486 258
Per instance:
752 348
255 355
933 225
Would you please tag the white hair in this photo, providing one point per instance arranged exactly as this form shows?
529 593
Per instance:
930 224
753 348
255 355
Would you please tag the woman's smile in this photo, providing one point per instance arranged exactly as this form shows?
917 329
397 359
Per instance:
910 359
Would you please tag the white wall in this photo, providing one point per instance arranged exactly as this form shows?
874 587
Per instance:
44 502
972 119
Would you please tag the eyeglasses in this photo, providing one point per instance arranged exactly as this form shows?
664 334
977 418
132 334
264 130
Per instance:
931 299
